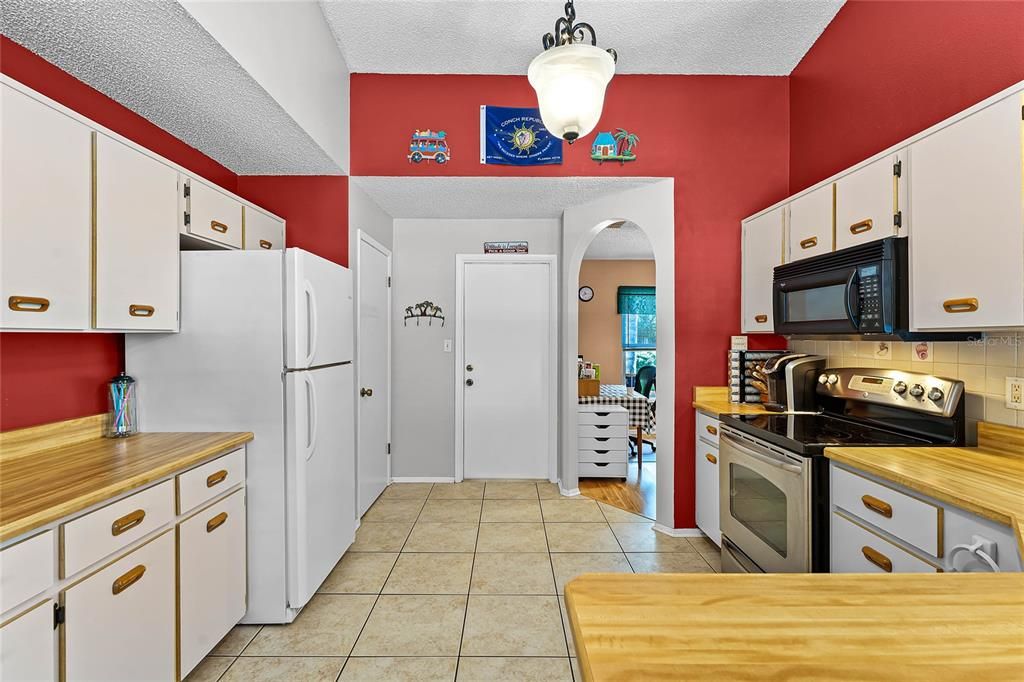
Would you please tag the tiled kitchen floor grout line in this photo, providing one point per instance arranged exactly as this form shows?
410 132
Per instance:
559 597
380 592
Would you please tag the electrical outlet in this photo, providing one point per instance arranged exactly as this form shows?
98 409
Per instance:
1015 393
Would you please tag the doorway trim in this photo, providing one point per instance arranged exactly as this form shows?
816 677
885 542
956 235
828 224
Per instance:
364 238
461 260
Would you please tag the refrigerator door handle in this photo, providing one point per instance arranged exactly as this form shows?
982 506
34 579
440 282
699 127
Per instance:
312 417
311 322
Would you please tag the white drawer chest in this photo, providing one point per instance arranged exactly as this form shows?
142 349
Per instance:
603 441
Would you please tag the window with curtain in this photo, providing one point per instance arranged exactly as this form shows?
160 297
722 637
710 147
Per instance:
638 311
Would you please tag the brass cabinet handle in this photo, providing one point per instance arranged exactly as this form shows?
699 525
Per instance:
877 558
878 506
28 304
216 522
264 244
218 226
960 305
216 477
711 458
809 242
862 226
711 429
127 522
128 579
760 318
138 310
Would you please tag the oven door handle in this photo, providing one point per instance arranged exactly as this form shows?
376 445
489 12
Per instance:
766 457
852 299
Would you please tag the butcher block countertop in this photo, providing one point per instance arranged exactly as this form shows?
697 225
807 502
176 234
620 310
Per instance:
52 471
798 626
987 480
715 401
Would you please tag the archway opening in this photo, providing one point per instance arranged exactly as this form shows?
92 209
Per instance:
617 369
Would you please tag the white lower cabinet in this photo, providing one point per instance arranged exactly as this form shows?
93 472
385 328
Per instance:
857 550
212 577
28 645
707 511
120 620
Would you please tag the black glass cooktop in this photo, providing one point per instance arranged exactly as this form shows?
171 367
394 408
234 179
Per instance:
810 434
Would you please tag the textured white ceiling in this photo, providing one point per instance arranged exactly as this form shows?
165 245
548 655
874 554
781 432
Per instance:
488 197
155 59
627 242
748 37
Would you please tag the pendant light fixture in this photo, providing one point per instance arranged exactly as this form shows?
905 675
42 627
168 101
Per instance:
570 77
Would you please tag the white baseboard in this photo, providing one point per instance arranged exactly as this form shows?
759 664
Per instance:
423 479
679 532
568 493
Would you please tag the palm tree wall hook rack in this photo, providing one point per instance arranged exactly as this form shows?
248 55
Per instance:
425 310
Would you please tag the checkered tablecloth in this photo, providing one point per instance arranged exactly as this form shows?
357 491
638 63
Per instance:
640 413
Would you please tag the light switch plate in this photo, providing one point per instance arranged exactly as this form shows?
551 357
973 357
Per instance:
447 345
1015 393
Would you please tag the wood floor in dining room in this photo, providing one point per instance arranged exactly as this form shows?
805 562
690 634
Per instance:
636 494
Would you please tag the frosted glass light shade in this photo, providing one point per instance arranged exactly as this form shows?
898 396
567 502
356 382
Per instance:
570 81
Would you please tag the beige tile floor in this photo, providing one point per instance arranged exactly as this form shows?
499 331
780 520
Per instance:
455 582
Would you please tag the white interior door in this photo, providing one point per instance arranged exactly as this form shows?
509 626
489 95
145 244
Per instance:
320 487
318 311
374 308
507 373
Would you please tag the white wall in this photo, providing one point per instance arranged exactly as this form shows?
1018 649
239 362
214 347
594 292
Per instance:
423 391
288 48
366 215
652 208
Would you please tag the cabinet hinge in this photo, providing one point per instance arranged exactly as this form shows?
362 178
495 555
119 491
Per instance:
389 281
187 191
897 169
389 448
58 615
188 219
897 219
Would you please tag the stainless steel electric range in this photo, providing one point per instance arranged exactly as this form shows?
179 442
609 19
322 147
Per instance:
774 492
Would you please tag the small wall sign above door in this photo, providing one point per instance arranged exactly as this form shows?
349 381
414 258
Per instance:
507 247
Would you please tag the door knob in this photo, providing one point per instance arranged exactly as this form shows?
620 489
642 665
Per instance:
469 382
365 392
469 368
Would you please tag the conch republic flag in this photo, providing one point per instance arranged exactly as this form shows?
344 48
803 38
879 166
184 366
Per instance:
515 136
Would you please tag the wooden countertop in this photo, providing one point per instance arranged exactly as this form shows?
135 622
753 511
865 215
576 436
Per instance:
798 626
53 471
987 480
715 401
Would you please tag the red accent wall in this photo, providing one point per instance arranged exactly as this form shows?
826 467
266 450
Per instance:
51 377
883 71
315 206
725 140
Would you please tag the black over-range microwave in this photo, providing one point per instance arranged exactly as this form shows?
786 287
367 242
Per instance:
858 290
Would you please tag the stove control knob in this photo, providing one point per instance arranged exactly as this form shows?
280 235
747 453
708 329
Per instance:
935 394
822 379
832 379
900 387
917 390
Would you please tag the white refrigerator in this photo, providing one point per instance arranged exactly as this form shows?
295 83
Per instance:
266 346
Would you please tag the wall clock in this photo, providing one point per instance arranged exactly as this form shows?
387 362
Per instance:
586 294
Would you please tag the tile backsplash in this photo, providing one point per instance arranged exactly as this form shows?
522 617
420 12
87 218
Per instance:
982 365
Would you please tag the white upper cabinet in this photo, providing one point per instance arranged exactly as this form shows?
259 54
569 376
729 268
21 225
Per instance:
967 239
45 216
136 257
211 214
262 230
762 251
868 201
810 224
